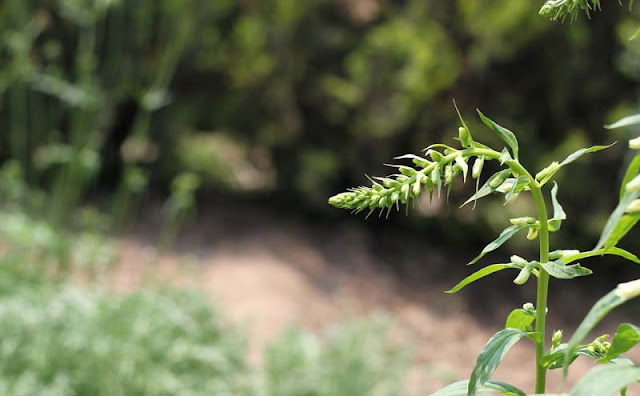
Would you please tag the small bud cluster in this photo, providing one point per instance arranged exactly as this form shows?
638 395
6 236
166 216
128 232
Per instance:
599 346
561 9
440 169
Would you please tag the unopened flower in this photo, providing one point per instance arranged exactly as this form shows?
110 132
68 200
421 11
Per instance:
635 143
634 206
633 185
629 290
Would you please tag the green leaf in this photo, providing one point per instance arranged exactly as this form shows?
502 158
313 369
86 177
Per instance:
614 251
488 270
623 227
504 236
504 133
505 156
460 388
561 271
519 185
491 356
624 292
632 171
606 380
571 158
635 35
625 338
558 212
520 319
464 124
627 121
463 165
618 224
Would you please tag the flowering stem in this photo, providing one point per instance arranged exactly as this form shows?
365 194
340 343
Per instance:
543 287
543 277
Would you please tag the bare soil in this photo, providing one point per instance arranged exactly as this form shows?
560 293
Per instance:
269 270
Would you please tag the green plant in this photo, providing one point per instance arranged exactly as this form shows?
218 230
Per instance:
437 169
69 341
356 359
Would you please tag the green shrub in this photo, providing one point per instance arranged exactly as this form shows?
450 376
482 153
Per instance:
74 342
354 360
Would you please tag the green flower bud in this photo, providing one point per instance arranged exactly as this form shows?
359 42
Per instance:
633 185
436 156
435 175
421 178
635 143
404 192
465 137
342 200
402 178
407 171
523 276
477 167
449 150
448 174
497 179
519 261
528 307
374 201
628 290
415 189
634 207
521 221
546 171
532 233
556 339
558 254
390 183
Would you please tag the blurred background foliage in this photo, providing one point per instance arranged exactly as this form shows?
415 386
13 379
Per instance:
294 100
104 103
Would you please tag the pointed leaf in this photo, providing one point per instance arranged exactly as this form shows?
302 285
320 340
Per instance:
613 231
635 35
464 124
520 319
558 212
621 229
504 133
606 380
504 236
614 251
518 186
463 165
486 189
481 274
624 292
505 156
627 121
558 270
491 356
625 338
571 158
460 388
632 171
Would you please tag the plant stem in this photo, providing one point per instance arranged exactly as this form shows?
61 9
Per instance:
543 287
543 277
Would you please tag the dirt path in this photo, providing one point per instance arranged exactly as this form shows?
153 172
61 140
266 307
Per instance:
268 272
